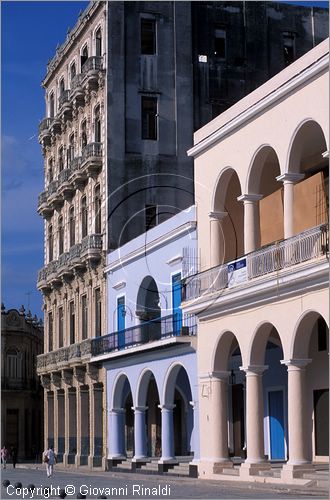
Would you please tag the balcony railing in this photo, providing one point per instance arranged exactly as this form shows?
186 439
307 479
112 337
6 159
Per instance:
91 242
42 198
53 187
308 245
64 97
91 150
76 82
92 64
45 124
75 163
64 175
63 357
149 331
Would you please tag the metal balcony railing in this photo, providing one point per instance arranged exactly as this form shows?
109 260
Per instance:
64 97
75 252
91 150
149 331
45 124
310 244
76 82
42 198
92 241
64 355
92 64
52 187
75 163
64 175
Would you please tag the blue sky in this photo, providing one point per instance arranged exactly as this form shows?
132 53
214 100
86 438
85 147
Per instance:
30 32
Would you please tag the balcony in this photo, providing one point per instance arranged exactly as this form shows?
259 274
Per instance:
92 158
310 245
44 131
79 176
43 208
75 261
65 357
55 199
90 70
91 248
159 329
77 89
65 188
65 105
56 126
63 269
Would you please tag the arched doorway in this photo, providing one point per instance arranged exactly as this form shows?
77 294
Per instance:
148 309
121 419
148 402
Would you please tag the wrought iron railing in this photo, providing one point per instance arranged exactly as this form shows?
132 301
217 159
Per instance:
149 331
75 251
53 187
64 97
45 124
64 355
92 63
42 198
90 242
92 149
75 163
76 82
310 244
64 175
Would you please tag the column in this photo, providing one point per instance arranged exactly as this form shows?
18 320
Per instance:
71 414
167 434
299 459
251 221
254 421
217 243
83 425
50 419
140 435
289 180
117 434
97 425
219 419
60 448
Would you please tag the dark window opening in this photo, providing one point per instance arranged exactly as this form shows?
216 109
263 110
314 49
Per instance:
61 159
97 207
73 71
84 56
51 106
50 244
288 48
70 150
322 333
60 236
60 327
98 312
149 118
151 216
50 331
84 217
148 36
83 135
50 171
62 86
220 43
97 125
84 317
72 323
72 231
98 43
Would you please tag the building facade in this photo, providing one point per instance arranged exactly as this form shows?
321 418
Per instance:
261 295
21 392
150 355
124 93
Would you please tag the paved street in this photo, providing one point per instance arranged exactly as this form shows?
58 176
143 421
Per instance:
133 486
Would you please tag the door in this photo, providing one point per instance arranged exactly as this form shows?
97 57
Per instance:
121 321
276 425
238 420
321 419
176 303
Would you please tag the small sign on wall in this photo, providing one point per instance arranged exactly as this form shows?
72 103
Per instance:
237 272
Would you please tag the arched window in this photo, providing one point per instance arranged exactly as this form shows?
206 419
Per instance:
84 56
97 124
98 43
83 134
60 236
84 217
73 71
70 150
72 232
62 86
13 365
61 159
50 244
97 208
51 105
50 170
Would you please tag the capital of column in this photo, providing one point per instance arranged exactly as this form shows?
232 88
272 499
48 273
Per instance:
217 215
140 409
290 177
117 411
167 407
220 375
295 364
250 198
253 369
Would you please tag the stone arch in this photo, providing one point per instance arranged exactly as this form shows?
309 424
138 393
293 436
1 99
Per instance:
264 164
302 334
143 385
119 390
170 381
308 141
226 343
263 333
147 302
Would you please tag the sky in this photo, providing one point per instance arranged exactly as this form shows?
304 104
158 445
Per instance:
26 48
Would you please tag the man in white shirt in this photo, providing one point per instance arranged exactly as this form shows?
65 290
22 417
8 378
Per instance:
50 460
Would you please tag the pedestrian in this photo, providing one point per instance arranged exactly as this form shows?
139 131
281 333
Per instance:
4 456
13 453
49 459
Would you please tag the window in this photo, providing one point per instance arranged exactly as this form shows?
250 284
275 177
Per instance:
60 327
84 316
322 333
149 117
84 217
50 331
98 43
148 36
61 159
72 323
97 208
50 170
220 43
84 56
83 134
70 150
288 48
97 124
151 216
60 236
51 105
62 86
72 229
50 244
13 368
73 71
98 312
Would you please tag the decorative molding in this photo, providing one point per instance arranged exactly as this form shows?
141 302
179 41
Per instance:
174 260
250 198
290 177
216 215
119 285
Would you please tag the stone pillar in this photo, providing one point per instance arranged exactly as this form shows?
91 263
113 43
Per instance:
255 459
251 221
83 425
217 241
219 421
299 459
289 180
140 435
168 455
50 419
71 415
117 434
96 441
60 448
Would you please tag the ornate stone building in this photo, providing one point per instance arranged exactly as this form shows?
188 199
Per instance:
21 392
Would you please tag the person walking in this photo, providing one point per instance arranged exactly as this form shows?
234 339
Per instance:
13 453
50 460
4 456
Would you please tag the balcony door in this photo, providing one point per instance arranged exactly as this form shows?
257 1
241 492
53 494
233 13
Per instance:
276 425
176 303
121 321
